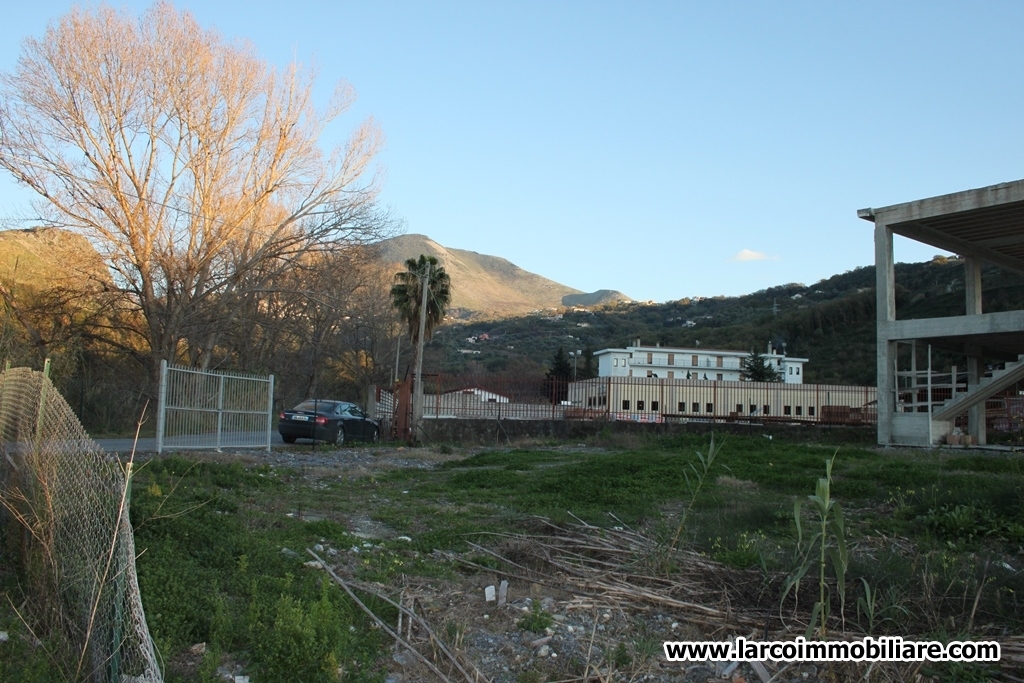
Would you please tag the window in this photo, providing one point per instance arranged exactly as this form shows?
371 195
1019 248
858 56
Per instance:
682 406
696 407
766 411
650 373
615 362
799 410
718 361
739 408
810 411
753 409
787 410
639 405
694 363
671 359
654 406
625 404
650 358
798 369
671 374
791 369
719 377
709 408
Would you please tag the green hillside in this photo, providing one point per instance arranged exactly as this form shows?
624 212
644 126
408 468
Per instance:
832 323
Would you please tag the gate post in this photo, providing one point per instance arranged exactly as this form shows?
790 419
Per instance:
161 407
220 410
270 413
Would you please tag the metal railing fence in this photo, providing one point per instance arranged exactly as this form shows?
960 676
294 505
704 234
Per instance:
642 399
680 400
206 409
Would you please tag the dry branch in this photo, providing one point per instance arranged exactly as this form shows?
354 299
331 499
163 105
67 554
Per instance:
477 677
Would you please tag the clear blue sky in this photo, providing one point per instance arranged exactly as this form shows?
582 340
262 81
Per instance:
664 149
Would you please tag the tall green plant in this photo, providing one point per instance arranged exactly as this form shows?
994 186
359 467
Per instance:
827 544
695 485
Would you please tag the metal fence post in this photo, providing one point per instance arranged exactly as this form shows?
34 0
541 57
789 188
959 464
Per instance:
161 408
270 413
42 403
220 410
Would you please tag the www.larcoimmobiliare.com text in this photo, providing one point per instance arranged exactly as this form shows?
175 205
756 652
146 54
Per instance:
868 649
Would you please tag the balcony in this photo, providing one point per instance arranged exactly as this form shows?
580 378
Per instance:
705 364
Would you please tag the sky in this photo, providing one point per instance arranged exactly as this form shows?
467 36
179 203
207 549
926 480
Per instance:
662 149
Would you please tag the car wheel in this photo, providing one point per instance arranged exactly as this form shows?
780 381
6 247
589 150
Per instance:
339 436
288 439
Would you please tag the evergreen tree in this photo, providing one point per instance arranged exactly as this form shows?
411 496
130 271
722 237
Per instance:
757 368
589 369
556 380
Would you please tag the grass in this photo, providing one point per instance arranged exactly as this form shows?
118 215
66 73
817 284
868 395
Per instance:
935 539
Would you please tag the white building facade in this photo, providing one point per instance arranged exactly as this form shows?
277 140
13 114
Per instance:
665 362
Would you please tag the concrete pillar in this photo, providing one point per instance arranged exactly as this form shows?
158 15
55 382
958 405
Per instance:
975 363
972 285
885 302
976 415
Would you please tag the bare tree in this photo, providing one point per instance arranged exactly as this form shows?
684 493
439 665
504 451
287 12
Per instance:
193 167
324 327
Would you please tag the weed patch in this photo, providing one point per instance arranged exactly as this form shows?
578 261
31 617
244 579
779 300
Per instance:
932 544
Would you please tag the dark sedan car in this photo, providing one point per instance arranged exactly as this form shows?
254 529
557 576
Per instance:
332 421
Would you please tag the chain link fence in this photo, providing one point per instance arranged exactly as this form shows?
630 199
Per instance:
67 502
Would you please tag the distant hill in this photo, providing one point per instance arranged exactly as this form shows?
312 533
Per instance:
599 298
832 323
487 287
48 257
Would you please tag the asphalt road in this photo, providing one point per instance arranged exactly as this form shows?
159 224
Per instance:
228 440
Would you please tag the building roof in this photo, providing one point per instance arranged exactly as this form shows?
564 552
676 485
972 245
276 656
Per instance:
986 223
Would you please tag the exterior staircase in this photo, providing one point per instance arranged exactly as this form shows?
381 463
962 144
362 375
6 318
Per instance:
989 386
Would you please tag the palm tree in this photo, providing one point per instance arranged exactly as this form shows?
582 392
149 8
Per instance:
406 295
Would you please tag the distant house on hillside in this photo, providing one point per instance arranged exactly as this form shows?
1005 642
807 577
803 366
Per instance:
703 364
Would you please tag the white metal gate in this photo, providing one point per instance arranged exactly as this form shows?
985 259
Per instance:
204 409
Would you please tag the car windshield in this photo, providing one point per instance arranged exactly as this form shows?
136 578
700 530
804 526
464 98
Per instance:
315 406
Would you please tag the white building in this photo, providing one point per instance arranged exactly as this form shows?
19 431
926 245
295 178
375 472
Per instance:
664 362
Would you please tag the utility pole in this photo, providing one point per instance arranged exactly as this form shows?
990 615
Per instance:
398 351
417 398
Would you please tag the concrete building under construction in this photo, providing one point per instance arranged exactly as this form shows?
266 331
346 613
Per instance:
918 405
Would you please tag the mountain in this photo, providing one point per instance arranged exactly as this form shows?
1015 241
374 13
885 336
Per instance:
486 287
47 257
599 298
